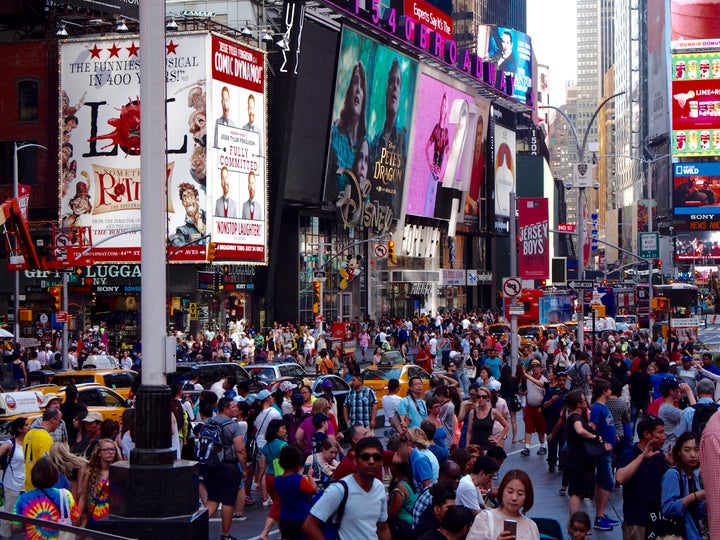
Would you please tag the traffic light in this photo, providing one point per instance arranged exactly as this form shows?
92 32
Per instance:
316 296
56 293
212 247
391 250
660 303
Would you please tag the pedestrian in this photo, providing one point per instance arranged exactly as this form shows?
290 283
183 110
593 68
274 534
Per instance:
710 467
532 413
401 498
69 466
412 410
19 373
52 401
365 512
482 419
360 407
293 490
94 496
275 442
516 498
475 486
13 477
682 493
92 424
38 441
579 526
70 408
262 421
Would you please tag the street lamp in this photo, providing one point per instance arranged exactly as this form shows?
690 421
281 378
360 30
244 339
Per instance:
581 184
16 193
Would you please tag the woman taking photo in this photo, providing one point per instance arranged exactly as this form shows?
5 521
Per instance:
516 497
13 478
481 421
682 493
94 499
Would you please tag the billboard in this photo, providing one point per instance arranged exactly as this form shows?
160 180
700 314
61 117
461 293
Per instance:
368 148
699 245
696 104
439 143
237 172
693 23
534 238
504 167
99 154
696 188
471 208
511 52
657 83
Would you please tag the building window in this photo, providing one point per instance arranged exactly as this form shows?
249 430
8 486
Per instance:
27 92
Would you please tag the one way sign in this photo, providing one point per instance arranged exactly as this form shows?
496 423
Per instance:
581 284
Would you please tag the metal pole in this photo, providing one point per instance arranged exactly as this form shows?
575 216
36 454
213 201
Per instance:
651 263
16 296
321 300
513 273
581 265
65 324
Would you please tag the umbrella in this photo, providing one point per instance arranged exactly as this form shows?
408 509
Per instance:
4 334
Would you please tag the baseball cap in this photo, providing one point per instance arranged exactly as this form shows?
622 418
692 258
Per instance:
327 384
93 416
668 384
687 358
495 386
286 386
47 398
263 395
535 363
320 417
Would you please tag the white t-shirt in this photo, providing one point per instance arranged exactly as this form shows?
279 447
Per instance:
261 424
535 393
363 510
468 494
390 404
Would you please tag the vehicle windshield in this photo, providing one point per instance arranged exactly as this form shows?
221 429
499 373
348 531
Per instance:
264 374
625 319
528 331
382 374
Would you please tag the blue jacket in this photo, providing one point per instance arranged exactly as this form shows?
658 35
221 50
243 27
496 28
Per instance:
672 500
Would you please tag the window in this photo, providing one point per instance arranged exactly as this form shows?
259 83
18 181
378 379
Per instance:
27 92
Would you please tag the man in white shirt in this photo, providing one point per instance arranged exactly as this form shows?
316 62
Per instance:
473 487
391 400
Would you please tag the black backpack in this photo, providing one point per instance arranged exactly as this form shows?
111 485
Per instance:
577 381
209 447
703 412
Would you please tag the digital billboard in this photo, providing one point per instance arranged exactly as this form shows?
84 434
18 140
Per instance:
657 46
504 167
699 245
696 188
471 208
511 52
368 148
696 104
693 23
100 176
438 142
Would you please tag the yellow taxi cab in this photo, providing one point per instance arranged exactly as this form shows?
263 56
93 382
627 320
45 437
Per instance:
558 329
377 377
529 333
100 399
499 330
120 380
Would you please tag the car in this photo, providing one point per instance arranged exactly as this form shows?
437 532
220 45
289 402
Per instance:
120 380
377 377
558 329
208 372
100 361
100 399
264 375
499 330
528 333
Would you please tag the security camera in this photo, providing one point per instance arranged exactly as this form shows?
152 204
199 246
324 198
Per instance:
568 185
596 185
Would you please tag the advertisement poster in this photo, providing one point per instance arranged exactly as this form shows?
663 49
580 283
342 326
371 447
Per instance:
693 23
368 150
696 104
100 179
511 51
658 68
471 208
237 172
438 139
696 188
533 232
698 245
504 167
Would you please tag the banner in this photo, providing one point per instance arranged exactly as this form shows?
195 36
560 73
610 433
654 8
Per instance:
533 232
504 170
511 52
24 199
368 149
471 208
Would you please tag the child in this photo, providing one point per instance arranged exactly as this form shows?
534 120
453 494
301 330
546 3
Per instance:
579 526
320 423
294 491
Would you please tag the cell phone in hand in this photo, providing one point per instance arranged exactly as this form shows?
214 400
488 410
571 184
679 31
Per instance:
510 525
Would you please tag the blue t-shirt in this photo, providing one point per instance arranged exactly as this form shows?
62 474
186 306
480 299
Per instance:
600 416
494 363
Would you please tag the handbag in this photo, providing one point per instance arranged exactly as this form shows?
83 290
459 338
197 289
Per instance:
594 448
515 404
661 525
64 511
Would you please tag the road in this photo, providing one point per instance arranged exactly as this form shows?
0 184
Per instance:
710 336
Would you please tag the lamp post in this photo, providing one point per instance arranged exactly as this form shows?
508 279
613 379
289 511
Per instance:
16 192
581 185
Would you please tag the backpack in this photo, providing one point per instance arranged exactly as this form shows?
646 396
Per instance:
209 447
577 381
7 457
188 386
703 412
177 409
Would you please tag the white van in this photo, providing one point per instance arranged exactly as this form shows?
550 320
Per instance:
100 361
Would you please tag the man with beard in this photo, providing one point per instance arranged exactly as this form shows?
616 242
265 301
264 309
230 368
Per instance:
251 208
224 120
194 226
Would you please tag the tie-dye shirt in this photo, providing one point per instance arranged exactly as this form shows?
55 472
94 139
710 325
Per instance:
100 501
35 504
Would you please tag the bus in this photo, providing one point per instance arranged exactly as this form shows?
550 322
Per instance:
684 301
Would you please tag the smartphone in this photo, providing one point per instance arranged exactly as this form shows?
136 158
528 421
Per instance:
510 525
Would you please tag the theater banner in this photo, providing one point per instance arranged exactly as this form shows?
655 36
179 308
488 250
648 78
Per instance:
533 232
368 150
100 145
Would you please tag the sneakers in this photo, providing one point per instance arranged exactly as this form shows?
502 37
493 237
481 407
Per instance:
611 521
239 517
268 502
542 451
601 524
228 537
525 452
562 491
249 501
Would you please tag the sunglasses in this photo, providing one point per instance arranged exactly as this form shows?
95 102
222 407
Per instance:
483 396
366 456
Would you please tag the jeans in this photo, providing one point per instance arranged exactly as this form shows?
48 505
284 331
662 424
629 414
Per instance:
464 382
555 455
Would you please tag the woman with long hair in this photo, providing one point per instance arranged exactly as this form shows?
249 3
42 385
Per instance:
275 441
126 436
401 497
509 392
69 465
516 498
481 421
94 499
13 478
682 493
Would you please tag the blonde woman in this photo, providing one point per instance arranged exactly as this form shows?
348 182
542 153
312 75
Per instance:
94 499
69 465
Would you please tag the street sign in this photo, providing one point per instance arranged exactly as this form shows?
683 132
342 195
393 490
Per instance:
582 175
566 227
381 251
61 316
511 287
484 277
649 243
319 274
581 284
516 309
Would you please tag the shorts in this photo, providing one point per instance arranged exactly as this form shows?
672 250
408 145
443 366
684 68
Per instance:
242 476
534 420
603 471
222 482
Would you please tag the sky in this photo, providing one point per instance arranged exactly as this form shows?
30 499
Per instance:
551 25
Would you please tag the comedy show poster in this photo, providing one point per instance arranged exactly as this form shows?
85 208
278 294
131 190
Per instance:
99 109
438 141
368 150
